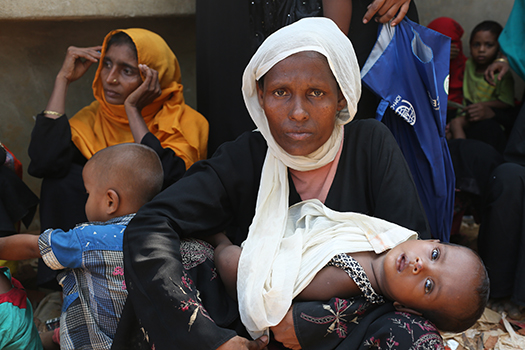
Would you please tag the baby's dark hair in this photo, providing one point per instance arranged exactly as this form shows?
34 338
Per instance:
490 26
132 169
122 38
446 322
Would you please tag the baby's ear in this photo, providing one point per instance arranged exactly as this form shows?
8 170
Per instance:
112 201
402 308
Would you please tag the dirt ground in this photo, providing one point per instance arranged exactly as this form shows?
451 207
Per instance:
493 330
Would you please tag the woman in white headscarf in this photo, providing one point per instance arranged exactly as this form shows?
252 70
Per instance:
301 89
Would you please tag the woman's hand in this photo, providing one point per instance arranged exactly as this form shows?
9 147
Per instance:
77 62
240 343
284 332
385 10
147 92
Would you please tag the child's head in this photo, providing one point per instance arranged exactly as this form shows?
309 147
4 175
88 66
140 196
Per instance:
484 46
120 179
446 283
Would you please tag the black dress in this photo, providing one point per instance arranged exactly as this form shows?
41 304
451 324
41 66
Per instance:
179 313
501 240
17 201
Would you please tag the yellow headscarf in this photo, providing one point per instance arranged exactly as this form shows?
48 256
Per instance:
175 124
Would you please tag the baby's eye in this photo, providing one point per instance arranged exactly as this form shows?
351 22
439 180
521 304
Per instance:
435 254
429 285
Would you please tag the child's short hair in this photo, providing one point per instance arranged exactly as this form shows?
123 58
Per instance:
134 169
449 323
490 26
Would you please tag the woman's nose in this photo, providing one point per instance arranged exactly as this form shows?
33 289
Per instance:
417 265
298 111
112 77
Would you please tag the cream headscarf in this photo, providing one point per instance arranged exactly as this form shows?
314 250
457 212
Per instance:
268 227
175 124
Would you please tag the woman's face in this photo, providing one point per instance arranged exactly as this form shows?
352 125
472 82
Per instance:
120 74
300 98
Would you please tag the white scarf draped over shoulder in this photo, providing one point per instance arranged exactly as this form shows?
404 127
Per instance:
314 235
256 292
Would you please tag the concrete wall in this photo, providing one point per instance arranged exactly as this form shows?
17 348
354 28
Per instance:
60 9
34 36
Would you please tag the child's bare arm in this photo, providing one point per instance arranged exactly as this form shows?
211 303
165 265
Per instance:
330 282
19 247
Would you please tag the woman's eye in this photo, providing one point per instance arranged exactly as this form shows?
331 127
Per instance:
317 93
429 285
435 254
279 93
107 64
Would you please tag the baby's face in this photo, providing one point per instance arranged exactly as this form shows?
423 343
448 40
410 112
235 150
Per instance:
428 275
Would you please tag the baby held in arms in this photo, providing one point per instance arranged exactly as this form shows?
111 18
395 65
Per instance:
325 254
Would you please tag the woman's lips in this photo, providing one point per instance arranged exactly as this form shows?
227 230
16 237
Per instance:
110 93
299 136
401 263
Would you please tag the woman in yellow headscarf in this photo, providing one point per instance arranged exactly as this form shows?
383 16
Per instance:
138 98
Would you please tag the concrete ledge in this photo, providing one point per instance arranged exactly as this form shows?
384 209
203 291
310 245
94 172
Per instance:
71 9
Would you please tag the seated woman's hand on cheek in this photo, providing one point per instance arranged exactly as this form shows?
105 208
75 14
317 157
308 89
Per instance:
146 92
141 97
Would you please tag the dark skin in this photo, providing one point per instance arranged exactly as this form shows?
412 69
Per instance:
76 63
